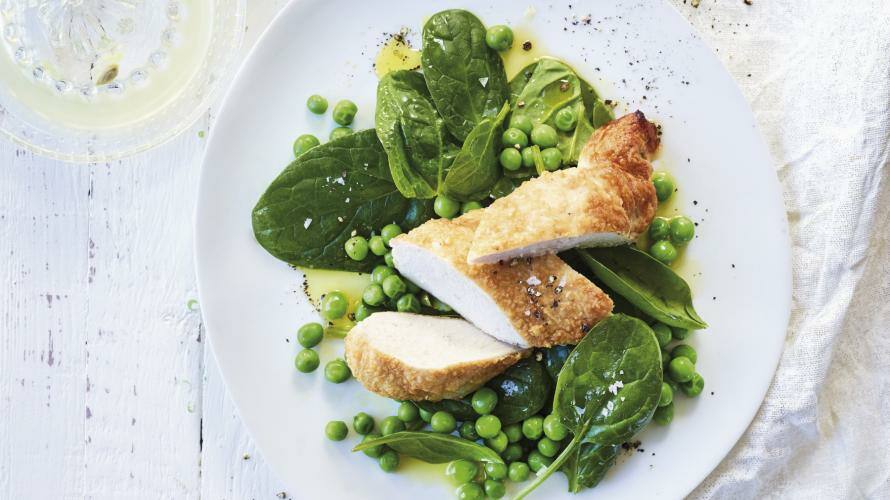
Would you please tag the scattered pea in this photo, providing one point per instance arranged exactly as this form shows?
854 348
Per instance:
445 207
680 333
681 369
362 311
544 135
336 430
389 232
663 251
511 159
514 138
467 430
548 447
362 423
664 414
552 158
488 426
334 305
306 361
380 273
337 371
304 143
521 122
513 432
565 119
528 157
461 471
537 461
469 491
533 427
682 230
443 422
494 489
662 333
376 245
664 185
310 334
659 229
554 429
339 132
374 451
317 104
391 425
495 470
518 472
408 303
694 387
499 37
357 248
408 412
389 461
498 443
512 453
344 112
667 394
394 286
387 257
502 188
686 351
426 416
373 295
470 206
483 401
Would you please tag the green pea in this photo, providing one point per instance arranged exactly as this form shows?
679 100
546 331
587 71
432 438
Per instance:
513 432
336 430
495 470
389 232
565 119
544 135
469 491
662 333
667 394
675 387
380 273
680 333
317 104
391 425
304 143
362 423
548 447
374 451
408 303
337 371
484 400
376 245
387 257
511 159
660 229
467 430
334 305
694 387
470 206
497 443
344 112
373 295
357 248
445 207
440 306
362 311
537 461
426 416
554 429
664 185
306 361
518 472
686 351
339 132
528 157
664 414
681 369
408 412
502 188
499 37
521 122
488 426
310 334
663 251
443 422
461 471
533 427
394 286
552 158
682 230
389 461
514 138
513 452
494 489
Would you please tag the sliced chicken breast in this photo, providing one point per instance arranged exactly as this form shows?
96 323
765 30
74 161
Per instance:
535 302
415 357
607 200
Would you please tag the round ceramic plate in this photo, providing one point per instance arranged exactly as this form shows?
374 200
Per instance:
644 56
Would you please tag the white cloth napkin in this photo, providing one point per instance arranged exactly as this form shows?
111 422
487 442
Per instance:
817 74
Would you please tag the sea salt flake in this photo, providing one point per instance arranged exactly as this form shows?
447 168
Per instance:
306 223
340 219
533 281
615 386
483 81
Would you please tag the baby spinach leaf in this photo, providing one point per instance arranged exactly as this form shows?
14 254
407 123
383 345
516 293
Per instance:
460 408
433 448
588 465
475 168
606 392
554 358
412 133
311 208
523 389
546 86
466 78
646 283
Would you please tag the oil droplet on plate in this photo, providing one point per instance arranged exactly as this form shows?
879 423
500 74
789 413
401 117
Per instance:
396 54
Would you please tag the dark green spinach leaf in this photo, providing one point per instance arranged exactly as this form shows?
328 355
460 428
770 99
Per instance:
433 448
475 168
311 208
588 465
606 392
466 78
554 358
646 283
523 389
412 133
460 408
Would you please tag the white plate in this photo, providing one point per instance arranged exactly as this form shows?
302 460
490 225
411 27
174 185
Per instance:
642 55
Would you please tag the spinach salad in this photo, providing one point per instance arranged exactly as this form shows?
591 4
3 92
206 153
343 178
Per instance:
449 139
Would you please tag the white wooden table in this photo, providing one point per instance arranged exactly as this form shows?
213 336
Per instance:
107 386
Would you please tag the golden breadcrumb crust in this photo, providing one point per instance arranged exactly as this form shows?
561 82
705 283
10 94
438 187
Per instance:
545 300
391 377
